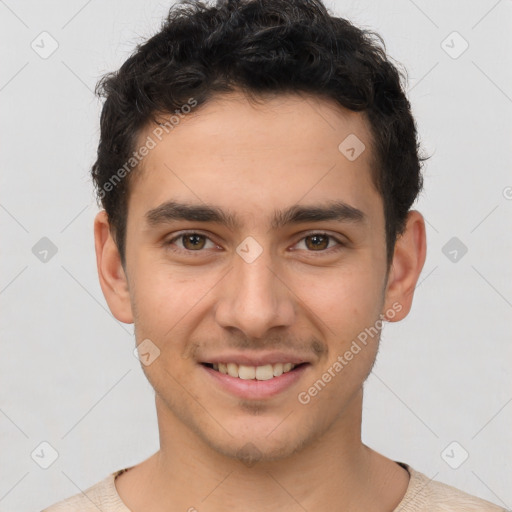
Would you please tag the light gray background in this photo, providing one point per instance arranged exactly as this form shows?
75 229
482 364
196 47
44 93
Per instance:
69 376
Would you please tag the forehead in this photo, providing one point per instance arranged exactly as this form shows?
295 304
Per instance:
282 150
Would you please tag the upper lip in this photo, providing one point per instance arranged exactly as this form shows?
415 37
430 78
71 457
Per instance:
256 359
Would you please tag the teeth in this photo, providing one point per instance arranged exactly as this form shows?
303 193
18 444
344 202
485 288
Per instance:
232 369
278 369
246 372
265 372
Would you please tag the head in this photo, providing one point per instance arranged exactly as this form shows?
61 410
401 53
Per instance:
243 123
261 48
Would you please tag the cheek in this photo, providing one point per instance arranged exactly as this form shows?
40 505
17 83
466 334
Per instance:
343 300
345 308
166 302
154 288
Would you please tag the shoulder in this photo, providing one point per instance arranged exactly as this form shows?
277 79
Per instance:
425 494
100 496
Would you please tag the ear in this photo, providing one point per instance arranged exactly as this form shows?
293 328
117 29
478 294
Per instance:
110 270
408 259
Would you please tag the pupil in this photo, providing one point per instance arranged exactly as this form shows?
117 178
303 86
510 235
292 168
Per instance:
315 239
194 240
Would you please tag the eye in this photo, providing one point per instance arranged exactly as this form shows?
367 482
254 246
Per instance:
190 241
319 242
194 242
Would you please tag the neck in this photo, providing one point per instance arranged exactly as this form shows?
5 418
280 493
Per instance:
332 469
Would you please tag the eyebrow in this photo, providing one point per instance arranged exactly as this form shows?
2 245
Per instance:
296 214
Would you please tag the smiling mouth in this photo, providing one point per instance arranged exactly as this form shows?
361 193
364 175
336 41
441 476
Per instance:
265 372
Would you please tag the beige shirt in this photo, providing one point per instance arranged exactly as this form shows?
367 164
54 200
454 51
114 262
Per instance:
422 494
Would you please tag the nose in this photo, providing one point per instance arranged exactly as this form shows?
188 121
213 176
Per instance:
255 297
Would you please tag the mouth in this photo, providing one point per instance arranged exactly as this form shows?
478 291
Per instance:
252 375
253 382
245 372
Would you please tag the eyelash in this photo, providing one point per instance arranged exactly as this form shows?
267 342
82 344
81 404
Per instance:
340 245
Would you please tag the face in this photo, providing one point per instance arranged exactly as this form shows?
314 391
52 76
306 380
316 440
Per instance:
252 239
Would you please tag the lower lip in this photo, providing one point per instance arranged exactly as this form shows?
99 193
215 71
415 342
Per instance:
256 389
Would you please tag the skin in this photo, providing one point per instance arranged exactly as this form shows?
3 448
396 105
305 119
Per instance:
250 160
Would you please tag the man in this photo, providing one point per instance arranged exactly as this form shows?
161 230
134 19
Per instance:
257 166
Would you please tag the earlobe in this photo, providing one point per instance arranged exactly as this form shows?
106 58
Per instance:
408 260
113 281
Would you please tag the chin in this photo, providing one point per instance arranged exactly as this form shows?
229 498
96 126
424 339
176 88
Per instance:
260 445
252 452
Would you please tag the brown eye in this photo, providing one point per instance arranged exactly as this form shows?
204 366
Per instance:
190 243
320 243
193 241
317 242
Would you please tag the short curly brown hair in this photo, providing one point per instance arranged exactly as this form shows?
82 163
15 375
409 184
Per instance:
260 47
